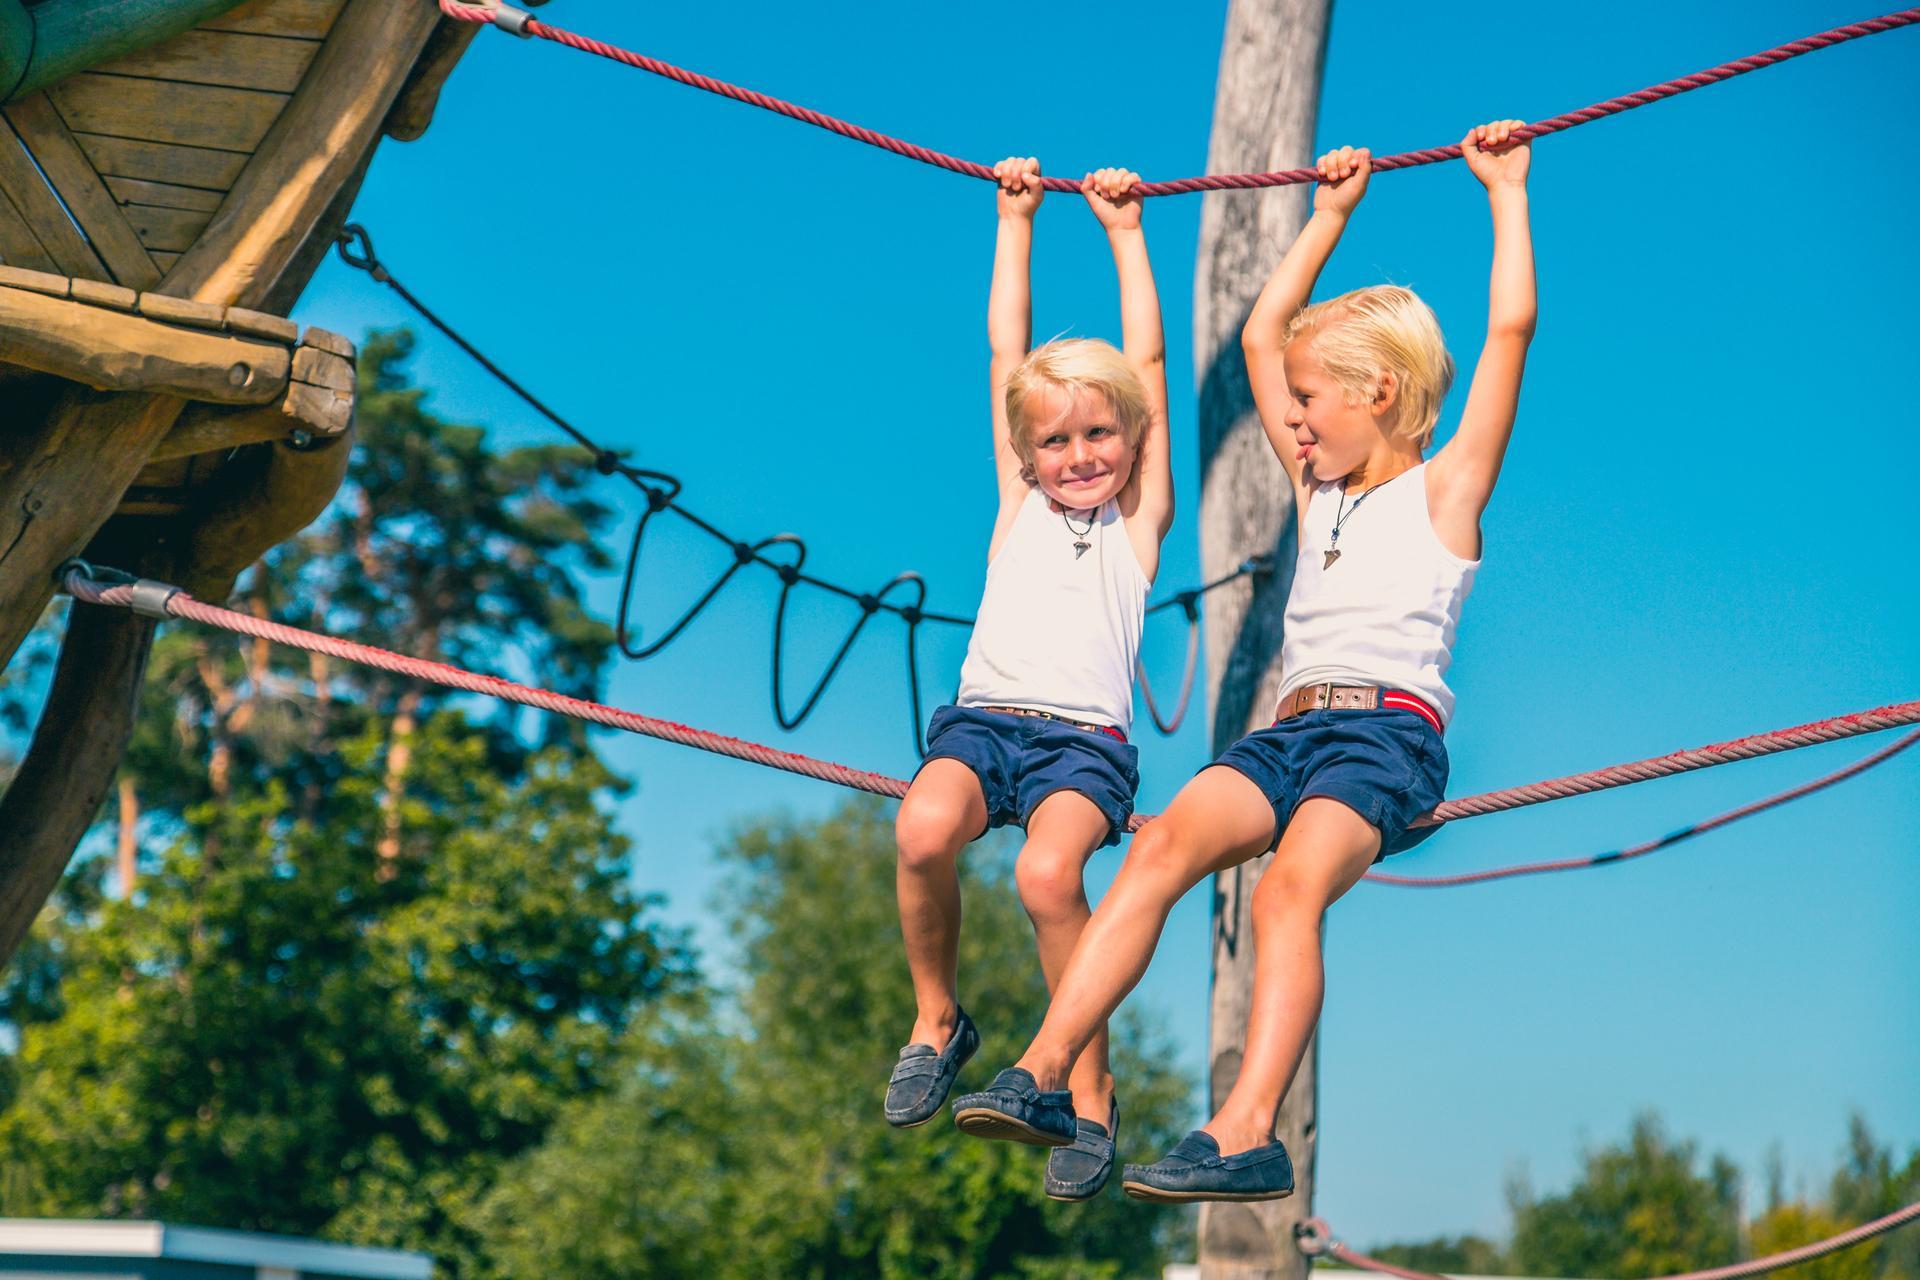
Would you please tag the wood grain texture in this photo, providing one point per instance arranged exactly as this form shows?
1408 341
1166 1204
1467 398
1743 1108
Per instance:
232 59
36 205
73 177
115 351
195 115
309 19
163 162
315 147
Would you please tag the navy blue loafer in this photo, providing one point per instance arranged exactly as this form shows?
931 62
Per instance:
921 1079
1079 1171
1195 1170
1013 1108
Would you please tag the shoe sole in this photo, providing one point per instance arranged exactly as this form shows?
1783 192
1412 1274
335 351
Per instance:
1157 1195
1078 1196
984 1122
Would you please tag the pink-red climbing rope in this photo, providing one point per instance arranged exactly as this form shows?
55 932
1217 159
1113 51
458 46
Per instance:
161 600
1316 1239
1211 182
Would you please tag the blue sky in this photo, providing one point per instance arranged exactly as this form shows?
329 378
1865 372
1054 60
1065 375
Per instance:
1703 529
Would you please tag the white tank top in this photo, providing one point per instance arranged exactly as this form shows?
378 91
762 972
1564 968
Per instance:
1386 611
1057 631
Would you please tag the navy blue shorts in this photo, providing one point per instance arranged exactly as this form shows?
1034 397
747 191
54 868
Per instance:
1387 766
1021 760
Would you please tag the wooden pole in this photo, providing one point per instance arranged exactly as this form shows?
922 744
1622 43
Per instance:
1264 112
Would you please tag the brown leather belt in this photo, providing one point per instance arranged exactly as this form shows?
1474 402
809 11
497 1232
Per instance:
1353 697
1107 729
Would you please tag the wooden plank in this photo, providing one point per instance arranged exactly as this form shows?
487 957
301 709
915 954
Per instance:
316 147
141 161
19 247
116 351
228 58
173 230
195 115
163 195
311 19
34 200
164 260
72 175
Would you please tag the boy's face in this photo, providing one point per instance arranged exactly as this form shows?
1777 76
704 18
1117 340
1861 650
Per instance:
1080 457
1334 436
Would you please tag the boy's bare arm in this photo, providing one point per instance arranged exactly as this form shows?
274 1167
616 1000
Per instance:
1143 339
1010 302
1343 181
1465 471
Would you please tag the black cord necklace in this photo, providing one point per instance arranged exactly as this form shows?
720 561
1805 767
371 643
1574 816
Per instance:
1343 515
1080 543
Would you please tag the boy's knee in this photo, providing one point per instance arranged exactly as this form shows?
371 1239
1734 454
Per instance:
1049 881
1283 892
928 833
1159 857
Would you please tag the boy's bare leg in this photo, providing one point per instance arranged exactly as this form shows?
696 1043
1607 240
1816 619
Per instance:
1218 820
942 811
1327 847
1062 833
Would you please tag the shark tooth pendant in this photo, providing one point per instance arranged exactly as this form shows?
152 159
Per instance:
1331 557
1080 549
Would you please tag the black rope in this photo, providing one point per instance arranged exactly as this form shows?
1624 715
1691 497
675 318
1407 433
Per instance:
662 494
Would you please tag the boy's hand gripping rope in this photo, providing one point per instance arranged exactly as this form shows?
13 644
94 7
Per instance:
155 599
784 553
525 25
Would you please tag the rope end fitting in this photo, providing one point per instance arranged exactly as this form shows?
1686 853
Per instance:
509 19
1314 1238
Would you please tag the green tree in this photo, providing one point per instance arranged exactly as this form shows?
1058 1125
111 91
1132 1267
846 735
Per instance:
752 1145
1638 1210
377 943
1468 1255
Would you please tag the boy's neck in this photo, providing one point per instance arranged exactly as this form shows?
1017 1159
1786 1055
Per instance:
1382 465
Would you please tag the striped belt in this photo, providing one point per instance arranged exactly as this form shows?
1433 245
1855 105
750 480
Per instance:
1354 697
1090 727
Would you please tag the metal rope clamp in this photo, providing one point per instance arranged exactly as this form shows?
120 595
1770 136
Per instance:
1314 1238
508 18
150 598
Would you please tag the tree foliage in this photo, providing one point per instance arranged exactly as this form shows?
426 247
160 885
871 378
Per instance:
752 1144
375 944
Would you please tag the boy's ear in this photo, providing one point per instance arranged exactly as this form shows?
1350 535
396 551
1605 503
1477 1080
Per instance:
1385 391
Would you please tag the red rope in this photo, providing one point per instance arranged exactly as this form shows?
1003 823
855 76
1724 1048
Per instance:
1211 182
1315 1239
1652 846
179 604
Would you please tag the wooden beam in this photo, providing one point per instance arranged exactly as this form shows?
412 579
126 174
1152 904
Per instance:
57 792
31 195
114 351
319 401
163 162
168 230
315 146
413 111
311 19
228 58
58 484
74 178
164 195
19 247
195 115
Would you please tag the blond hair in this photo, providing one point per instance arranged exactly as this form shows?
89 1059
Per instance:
1076 366
1383 328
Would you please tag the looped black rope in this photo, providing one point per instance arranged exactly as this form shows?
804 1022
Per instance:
662 493
870 604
